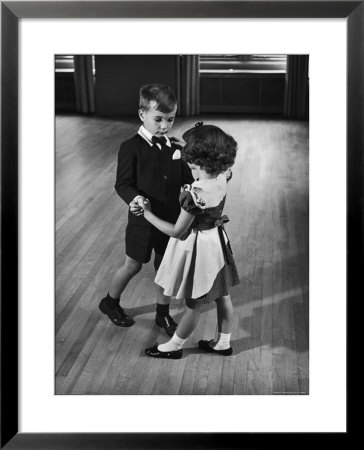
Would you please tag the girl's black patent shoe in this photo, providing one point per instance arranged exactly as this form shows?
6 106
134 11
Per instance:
153 351
205 345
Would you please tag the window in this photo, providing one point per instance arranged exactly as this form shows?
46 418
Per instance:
243 63
66 63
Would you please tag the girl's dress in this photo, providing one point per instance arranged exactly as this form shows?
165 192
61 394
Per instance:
200 264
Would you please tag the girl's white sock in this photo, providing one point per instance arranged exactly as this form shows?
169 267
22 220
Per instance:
222 342
174 344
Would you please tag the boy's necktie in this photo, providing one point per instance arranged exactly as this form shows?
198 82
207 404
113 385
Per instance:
159 140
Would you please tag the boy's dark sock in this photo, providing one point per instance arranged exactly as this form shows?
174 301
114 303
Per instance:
162 310
111 302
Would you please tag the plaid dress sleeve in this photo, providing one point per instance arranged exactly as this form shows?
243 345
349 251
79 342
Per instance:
191 202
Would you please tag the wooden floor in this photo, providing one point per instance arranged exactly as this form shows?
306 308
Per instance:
268 209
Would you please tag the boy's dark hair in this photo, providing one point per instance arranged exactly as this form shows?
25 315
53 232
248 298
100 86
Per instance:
161 93
210 148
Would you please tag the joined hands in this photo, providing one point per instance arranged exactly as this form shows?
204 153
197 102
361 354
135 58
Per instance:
139 205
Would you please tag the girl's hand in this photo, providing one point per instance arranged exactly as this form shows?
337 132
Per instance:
145 205
178 142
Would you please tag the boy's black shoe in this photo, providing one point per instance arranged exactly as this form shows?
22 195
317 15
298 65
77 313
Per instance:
153 351
205 345
167 323
116 315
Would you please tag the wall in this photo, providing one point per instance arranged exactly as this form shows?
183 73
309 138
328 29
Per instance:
242 92
65 96
118 79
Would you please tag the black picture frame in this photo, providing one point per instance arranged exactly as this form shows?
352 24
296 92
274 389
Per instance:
11 12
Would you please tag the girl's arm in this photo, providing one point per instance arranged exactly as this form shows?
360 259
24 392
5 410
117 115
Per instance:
174 230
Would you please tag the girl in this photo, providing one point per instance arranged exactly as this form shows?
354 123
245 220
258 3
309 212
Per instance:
198 264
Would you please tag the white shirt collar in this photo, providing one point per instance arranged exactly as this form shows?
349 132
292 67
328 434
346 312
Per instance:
147 136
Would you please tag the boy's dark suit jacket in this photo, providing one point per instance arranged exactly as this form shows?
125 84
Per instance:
153 173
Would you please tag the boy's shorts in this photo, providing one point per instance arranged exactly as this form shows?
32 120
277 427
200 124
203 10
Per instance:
141 240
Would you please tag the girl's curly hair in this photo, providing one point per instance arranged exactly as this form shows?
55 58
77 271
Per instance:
210 148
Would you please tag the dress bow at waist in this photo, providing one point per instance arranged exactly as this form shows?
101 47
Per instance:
208 224
219 224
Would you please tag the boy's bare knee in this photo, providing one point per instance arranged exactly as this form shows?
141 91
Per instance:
131 266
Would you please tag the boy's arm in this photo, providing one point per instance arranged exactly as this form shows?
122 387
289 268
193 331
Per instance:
187 177
125 184
173 230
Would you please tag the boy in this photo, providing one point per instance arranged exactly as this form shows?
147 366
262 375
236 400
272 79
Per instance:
149 166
